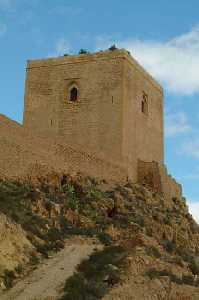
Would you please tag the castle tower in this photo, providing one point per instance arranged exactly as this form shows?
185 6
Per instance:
104 103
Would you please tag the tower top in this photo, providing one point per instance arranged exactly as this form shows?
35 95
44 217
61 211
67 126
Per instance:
92 57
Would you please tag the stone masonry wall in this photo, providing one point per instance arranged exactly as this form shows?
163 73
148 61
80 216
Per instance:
106 119
143 133
94 122
106 129
156 177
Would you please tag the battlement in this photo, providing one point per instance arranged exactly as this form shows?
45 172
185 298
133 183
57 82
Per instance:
88 57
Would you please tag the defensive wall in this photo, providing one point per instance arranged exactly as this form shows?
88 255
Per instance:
156 177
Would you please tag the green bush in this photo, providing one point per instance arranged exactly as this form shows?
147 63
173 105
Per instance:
19 269
8 278
53 235
168 245
177 260
188 279
83 51
153 251
153 273
71 199
186 255
96 275
167 220
44 249
34 260
139 220
149 231
113 48
104 238
194 268
94 194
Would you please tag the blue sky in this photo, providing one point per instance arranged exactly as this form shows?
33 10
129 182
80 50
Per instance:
162 35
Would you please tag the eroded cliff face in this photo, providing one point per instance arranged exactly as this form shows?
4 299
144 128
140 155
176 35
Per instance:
15 248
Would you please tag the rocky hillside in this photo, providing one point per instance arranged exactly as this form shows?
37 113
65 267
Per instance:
150 249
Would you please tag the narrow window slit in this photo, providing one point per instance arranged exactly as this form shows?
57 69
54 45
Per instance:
144 104
73 94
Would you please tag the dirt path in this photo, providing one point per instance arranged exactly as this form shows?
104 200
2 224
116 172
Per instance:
48 279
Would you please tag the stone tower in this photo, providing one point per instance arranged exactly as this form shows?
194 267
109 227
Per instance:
104 103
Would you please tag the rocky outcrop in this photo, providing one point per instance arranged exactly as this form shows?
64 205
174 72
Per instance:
15 248
160 236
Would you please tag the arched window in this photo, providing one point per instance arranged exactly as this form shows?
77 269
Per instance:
144 105
73 94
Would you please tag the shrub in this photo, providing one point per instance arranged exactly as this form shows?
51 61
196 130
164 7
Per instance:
155 216
71 199
186 255
104 238
153 251
113 48
167 220
75 288
175 278
94 193
151 273
175 199
188 279
34 260
19 269
177 260
95 275
193 266
139 220
83 51
8 278
53 235
44 249
168 245
149 231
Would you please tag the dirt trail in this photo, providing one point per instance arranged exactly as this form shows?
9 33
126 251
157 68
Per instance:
46 282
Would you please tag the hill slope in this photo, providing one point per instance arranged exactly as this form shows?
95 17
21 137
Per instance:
151 245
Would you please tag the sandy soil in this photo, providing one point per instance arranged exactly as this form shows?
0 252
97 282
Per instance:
47 281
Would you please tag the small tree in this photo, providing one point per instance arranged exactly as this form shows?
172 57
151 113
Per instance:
83 51
113 48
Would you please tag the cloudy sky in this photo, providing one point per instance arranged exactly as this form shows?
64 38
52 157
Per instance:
162 35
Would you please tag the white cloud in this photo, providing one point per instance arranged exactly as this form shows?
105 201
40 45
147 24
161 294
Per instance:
191 148
194 209
62 46
176 124
3 29
174 63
